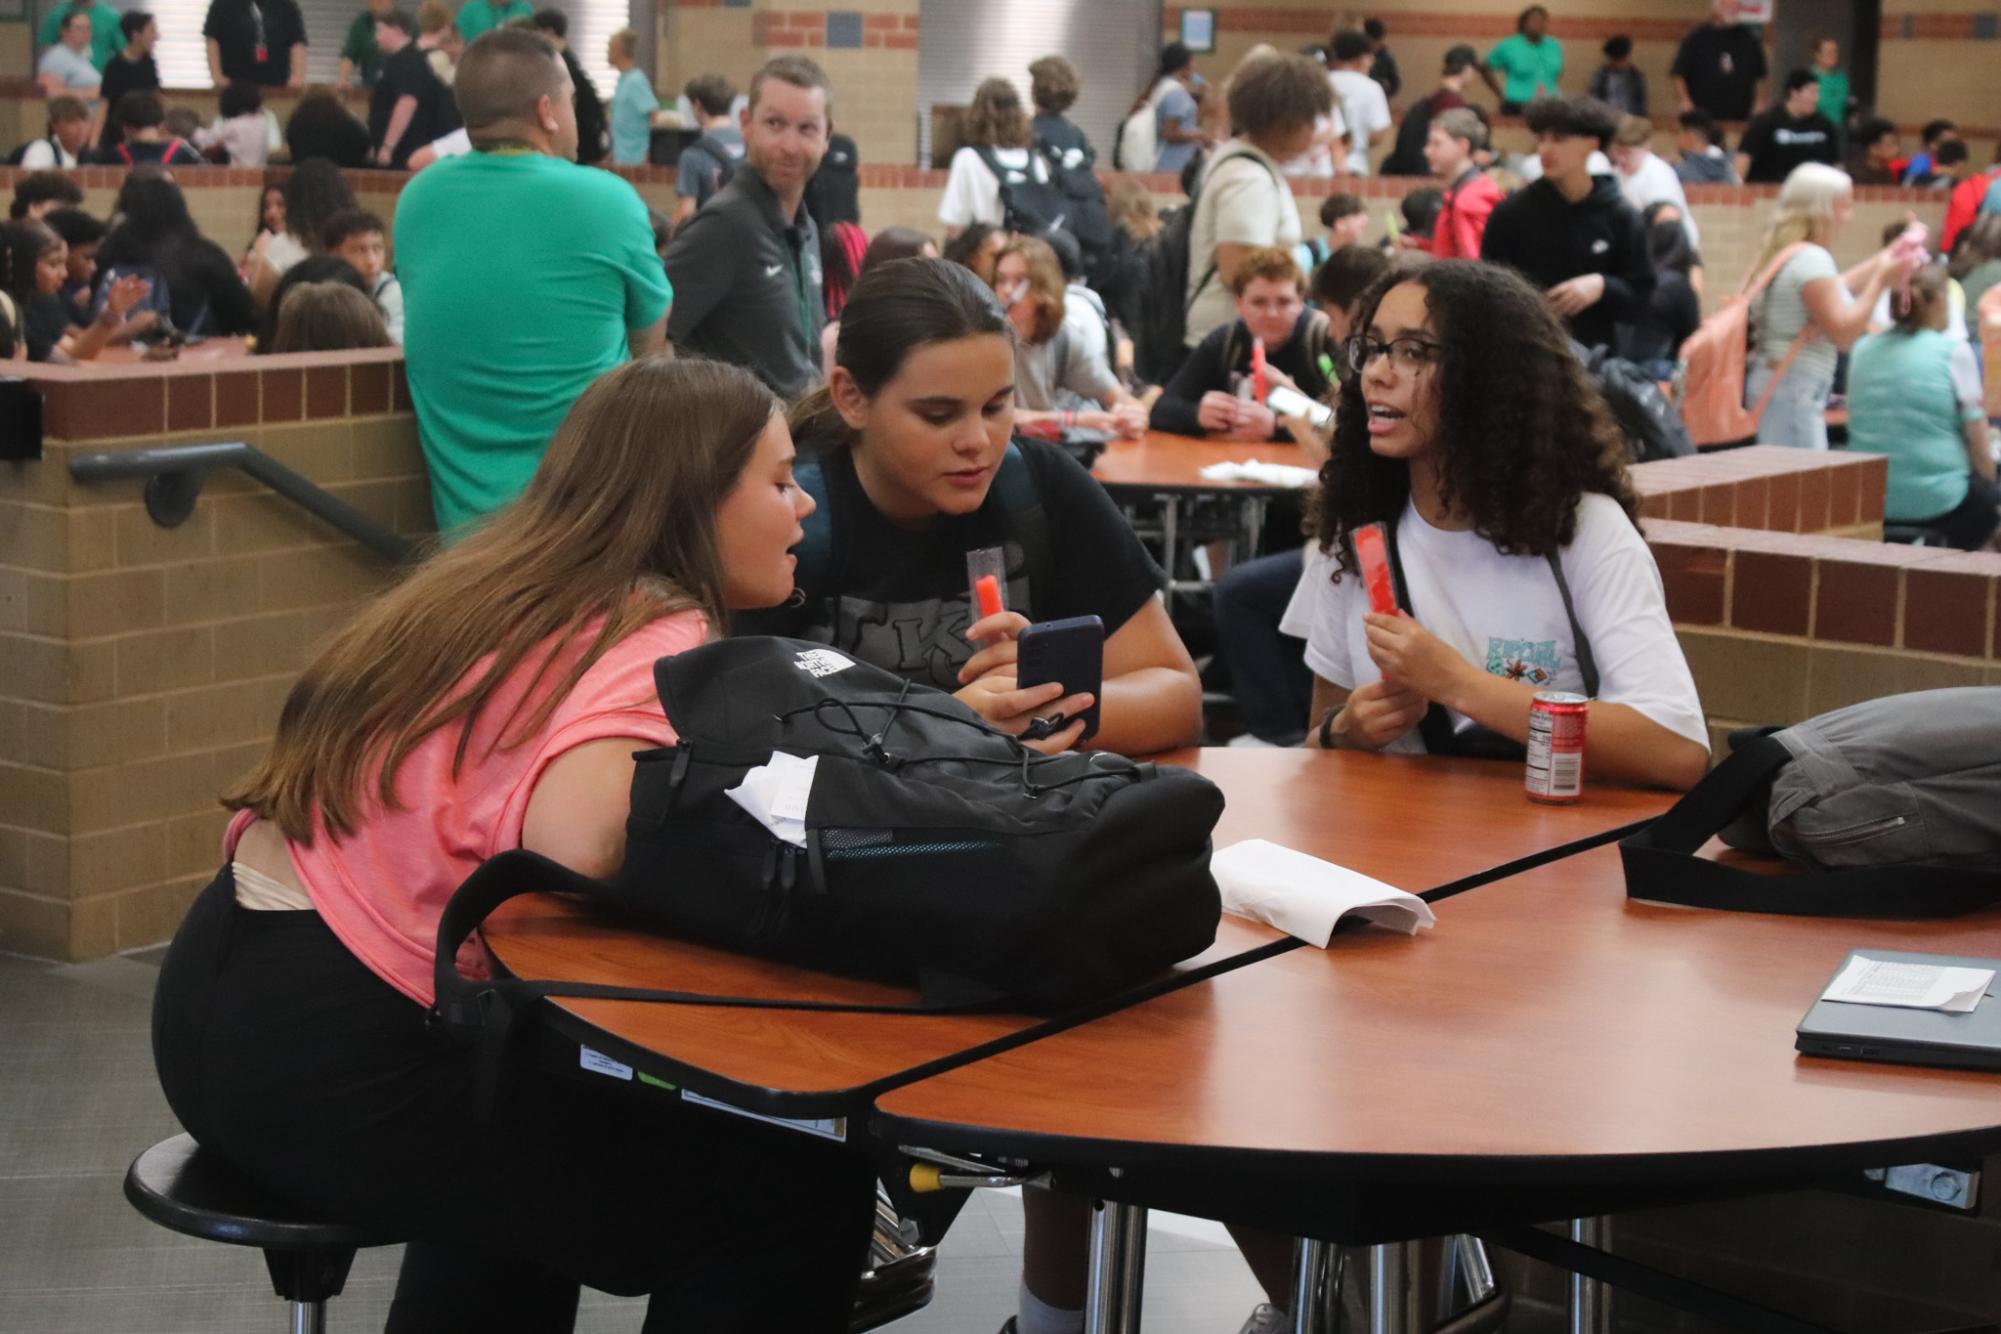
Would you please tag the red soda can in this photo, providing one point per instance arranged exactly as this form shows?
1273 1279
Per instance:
1556 746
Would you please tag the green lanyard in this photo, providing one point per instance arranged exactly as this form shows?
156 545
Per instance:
799 293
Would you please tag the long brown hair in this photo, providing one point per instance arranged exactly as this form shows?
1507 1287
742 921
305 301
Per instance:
617 524
996 118
1045 283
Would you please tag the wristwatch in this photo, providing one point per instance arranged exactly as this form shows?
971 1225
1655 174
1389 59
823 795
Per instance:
1327 727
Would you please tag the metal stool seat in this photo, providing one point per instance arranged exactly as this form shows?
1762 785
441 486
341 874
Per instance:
179 1186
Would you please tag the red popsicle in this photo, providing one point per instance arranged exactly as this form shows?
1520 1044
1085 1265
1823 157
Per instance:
1258 377
1372 550
987 588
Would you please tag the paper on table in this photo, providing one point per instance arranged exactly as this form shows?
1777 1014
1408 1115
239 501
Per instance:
1914 986
1270 474
777 793
1304 896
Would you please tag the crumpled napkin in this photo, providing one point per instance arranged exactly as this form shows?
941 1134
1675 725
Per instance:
1304 896
1267 474
776 794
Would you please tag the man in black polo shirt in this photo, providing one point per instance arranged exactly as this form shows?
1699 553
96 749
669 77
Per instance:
1720 66
1788 134
746 267
256 41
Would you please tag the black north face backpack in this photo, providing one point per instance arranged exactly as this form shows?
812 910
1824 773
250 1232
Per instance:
937 851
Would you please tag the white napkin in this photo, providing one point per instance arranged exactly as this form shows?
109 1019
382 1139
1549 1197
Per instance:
1304 896
1269 474
777 793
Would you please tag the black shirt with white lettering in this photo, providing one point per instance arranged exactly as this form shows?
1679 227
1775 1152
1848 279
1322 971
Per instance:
1722 67
256 38
902 602
1776 143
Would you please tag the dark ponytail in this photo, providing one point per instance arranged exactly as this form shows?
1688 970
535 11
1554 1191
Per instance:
894 309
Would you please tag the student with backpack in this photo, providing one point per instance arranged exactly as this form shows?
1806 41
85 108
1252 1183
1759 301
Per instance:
1242 202
1502 479
1808 312
1164 131
501 690
706 165
66 142
915 468
1206 396
997 177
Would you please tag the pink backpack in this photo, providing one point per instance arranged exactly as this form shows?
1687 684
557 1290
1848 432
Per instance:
1712 367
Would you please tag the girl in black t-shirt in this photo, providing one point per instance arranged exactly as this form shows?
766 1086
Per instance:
913 430
34 265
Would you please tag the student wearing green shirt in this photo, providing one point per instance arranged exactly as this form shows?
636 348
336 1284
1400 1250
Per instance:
360 60
480 16
1530 62
105 38
502 332
1833 87
632 101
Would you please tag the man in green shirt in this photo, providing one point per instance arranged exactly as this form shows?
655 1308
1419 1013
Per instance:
360 61
506 324
480 16
105 38
1833 88
1530 63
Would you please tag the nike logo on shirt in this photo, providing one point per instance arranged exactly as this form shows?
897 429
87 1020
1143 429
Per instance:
773 270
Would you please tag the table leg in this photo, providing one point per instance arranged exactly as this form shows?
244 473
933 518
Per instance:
1389 1289
1309 1278
1590 1300
1254 527
1118 1268
1170 536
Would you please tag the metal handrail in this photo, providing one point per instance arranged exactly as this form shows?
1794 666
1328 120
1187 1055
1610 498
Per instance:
174 475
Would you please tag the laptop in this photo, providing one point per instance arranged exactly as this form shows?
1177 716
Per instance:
1908 1037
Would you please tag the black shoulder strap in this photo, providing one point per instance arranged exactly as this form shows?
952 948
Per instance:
1661 864
1195 293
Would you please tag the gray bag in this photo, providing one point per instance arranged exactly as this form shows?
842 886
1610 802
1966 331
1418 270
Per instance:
1894 805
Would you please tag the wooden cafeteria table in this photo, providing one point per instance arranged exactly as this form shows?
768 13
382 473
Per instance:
1167 469
1381 816
1551 1050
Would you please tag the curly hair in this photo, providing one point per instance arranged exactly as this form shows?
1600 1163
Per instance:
995 119
1521 431
1053 84
1271 263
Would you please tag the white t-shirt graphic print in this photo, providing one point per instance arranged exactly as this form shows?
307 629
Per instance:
1505 614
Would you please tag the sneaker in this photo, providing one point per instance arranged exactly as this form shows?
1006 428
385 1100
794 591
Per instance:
1266 1319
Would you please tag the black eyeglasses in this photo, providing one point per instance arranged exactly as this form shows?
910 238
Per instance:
1406 353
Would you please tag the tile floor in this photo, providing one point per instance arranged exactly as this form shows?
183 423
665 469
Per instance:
78 1099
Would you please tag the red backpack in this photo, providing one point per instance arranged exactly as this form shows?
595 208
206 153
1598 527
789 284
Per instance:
1711 368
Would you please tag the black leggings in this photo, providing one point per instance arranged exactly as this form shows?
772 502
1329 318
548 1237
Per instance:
281 1051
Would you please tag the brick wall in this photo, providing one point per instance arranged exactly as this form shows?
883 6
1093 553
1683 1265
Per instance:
1779 626
147 665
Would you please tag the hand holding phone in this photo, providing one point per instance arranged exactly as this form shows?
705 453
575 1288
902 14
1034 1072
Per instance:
1070 653
1289 402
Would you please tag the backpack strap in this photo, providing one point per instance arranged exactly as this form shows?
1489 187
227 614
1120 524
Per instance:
1189 303
818 568
1024 519
483 1011
1661 865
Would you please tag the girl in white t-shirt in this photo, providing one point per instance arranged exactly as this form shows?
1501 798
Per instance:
1502 479
995 123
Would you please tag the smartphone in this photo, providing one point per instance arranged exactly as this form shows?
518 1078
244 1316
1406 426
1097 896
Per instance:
1291 403
1071 652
